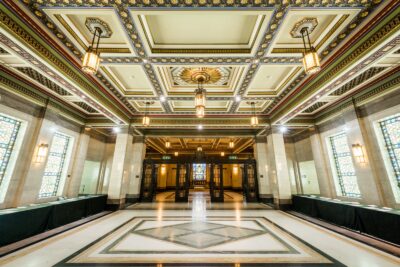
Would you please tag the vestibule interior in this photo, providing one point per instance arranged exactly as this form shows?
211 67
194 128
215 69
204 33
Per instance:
199 181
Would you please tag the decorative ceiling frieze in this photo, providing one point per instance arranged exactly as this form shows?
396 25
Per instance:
344 65
281 98
280 9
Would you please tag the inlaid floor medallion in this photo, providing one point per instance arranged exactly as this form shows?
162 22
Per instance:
221 241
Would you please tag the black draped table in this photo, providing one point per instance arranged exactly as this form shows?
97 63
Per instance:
23 222
383 223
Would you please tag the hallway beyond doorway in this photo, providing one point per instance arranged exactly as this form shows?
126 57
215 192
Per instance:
229 196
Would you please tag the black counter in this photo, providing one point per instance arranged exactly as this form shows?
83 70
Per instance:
370 220
20 223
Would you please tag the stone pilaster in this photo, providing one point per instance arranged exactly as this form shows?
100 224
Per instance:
278 169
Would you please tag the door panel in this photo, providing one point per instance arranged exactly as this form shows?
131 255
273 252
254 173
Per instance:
149 180
182 183
250 184
216 183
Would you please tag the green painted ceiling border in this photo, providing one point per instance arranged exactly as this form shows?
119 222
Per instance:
84 83
385 86
380 32
23 90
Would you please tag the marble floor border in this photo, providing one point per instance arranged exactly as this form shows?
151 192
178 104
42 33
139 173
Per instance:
334 262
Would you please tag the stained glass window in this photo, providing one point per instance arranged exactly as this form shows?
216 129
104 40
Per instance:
8 134
199 172
345 173
55 165
391 134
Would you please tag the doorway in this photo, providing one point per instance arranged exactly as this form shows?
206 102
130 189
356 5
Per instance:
164 181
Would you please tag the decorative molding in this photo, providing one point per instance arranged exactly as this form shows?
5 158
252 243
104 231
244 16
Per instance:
9 24
309 23
280 9
355 53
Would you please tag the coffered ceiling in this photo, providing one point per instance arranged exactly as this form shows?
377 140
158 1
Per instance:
254 46
189 145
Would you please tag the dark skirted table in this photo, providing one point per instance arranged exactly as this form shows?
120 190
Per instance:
383 223
23 222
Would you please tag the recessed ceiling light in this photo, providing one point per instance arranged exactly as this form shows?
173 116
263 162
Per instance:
238 98
256 61
283 129
83 96
162 98
116 129
317 96
200 127
145 60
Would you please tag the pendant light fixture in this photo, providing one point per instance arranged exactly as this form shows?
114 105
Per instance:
311 62
199 149
200 98
254 118
167 144
91 60
99 29
231 144
146 118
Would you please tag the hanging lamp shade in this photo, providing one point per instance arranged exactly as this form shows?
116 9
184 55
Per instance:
231 144
146 118
254 118
146 121
167 144
200 99
91 60
311 62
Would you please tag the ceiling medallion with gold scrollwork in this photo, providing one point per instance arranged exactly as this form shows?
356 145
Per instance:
206 74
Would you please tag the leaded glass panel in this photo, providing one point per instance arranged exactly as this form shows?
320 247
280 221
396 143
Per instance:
199 172
345 172
391 134
54 166
8 134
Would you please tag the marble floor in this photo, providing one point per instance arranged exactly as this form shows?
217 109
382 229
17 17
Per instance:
199 236
229 196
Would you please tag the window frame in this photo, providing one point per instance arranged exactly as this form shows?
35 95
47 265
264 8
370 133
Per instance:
382 145
337 177
16 148
64 168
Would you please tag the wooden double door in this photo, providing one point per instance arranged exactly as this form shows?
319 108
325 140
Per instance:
182 186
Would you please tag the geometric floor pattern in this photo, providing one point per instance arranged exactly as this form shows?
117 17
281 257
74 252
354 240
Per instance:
211 241
199 234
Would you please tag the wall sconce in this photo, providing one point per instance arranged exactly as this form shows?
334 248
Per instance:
42 152
358 153
222 154
176 154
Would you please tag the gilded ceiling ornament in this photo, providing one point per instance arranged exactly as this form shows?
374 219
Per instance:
93 23
218 76
309 23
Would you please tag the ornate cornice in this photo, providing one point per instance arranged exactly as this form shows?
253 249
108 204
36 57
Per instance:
17 87
374 91
279 7
386 28
20 31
